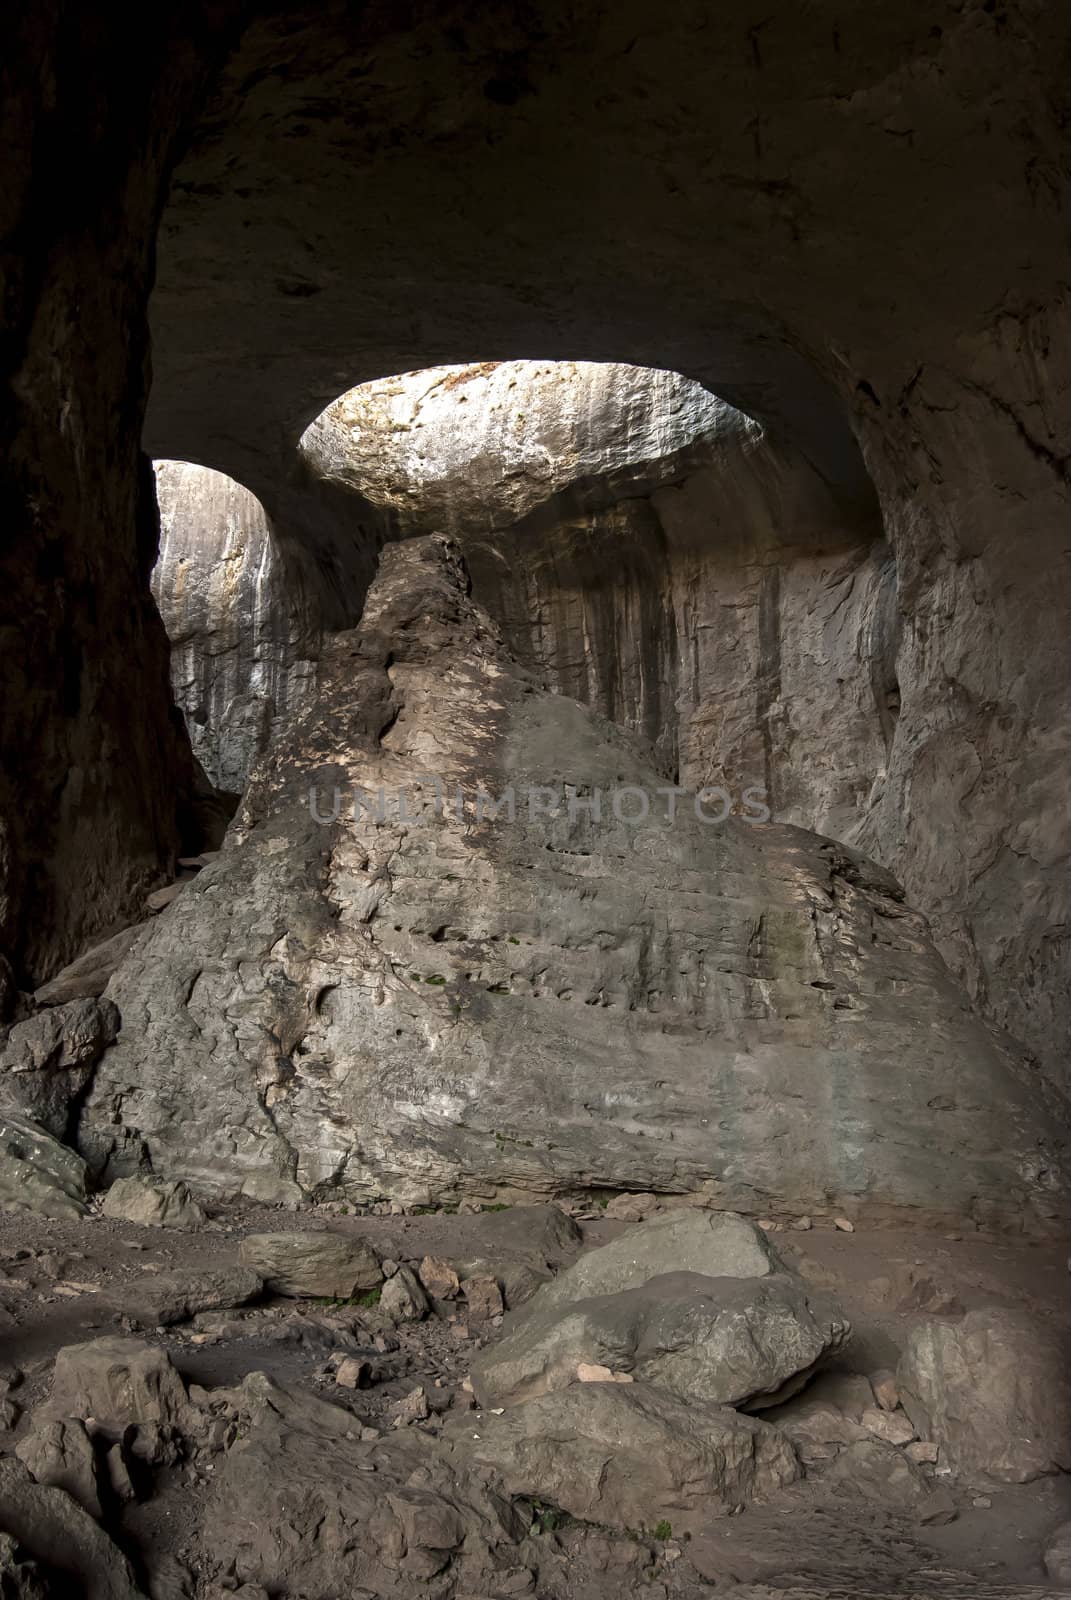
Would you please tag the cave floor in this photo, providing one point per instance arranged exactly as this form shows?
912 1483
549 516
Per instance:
62 1282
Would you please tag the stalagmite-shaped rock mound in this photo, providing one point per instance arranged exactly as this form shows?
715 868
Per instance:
516 1007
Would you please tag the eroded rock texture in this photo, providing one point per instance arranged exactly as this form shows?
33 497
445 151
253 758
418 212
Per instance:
237 662
797 211
515 1007
652 552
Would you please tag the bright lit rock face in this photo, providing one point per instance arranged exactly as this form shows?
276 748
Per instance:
427 1006
237 670
471 449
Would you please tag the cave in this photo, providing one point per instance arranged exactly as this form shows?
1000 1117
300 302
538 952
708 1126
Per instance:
534 894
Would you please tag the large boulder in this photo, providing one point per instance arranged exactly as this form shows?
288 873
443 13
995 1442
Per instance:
75 1558
993 1390
118 1382
37 1173
61 1454
301 1506
306 1263
47 1060
632 1456
167 1297
426 1003
152 1203
725 1341
717 1244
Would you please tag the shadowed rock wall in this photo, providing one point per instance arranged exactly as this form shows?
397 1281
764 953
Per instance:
95 769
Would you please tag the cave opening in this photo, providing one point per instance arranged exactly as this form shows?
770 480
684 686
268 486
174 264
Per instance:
624 526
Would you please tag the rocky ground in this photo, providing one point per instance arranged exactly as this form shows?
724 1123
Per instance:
258 1401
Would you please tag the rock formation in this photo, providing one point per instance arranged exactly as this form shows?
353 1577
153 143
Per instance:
236 664
659 556
803 529
411 1000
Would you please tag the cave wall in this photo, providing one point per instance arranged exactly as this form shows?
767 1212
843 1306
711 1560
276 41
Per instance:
843 223
95 766
241 661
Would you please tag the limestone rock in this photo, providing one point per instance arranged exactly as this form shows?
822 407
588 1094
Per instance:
431 1014
302 1505
55 1532
116 1382
37 1173
886 1393
850 1393
238 666
724 1341
1057 1556
20 1578
46 1061
402 1298
521 436
152 1203
88 975
816 1428
439 1278
168 1297
716 1244
521 1247
630 1455
335 1265
160 899
61 1455
892 1426
993 1391
631 1207
351 1373
483 1298
874 1470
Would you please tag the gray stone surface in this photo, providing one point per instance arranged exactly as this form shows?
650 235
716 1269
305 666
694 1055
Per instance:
471 449
118 1382
630 1456
1057 1556
37 1173
872 1469
371 1007
76 1555
87 976
152 1203
403 1298
945 366
993 1390
60 1455
726 1341
168 1297
46 1061
301 1505
237 667
717 1244
305 1263
817 1429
